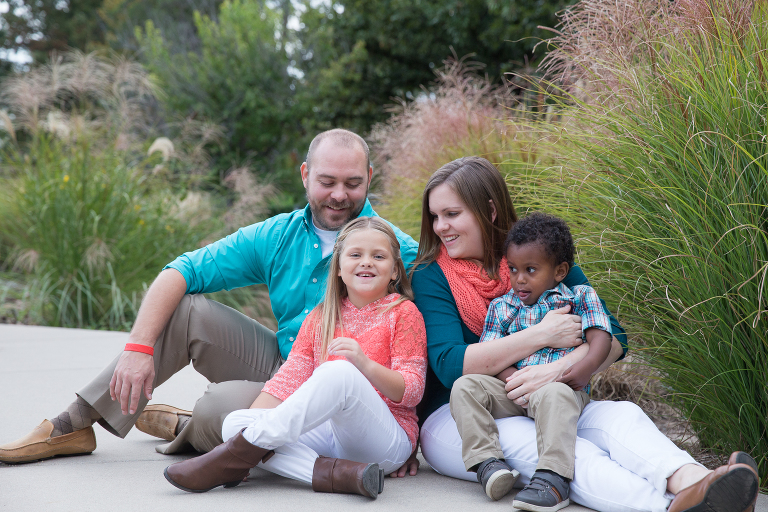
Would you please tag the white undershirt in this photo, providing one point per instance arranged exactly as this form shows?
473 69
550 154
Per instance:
327 239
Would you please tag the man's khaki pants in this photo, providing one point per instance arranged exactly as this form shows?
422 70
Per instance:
478 400
223 345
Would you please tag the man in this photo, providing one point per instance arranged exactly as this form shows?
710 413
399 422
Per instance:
176 325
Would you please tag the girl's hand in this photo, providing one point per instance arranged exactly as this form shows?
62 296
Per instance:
350 349
523 382
559 329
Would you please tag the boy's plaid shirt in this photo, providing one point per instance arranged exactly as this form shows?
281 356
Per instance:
507 314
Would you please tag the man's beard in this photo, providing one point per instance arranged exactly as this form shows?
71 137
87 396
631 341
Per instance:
320 221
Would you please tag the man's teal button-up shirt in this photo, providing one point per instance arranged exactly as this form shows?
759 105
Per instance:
282 252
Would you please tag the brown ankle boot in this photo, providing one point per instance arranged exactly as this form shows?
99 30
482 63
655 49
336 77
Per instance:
345 476
227 464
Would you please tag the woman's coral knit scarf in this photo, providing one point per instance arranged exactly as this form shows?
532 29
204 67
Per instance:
472 289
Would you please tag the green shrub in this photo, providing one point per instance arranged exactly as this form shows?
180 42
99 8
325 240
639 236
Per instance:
86 227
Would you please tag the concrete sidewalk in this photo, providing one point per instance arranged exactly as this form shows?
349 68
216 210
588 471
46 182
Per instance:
41 368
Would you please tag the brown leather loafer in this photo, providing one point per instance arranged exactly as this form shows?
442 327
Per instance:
729 488
160 420
39 445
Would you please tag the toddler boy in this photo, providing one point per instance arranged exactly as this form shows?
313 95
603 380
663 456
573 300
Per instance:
540 252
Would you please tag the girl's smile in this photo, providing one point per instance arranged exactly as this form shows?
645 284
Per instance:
366 266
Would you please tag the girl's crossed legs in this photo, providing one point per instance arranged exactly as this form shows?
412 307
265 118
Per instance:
335 413
622 460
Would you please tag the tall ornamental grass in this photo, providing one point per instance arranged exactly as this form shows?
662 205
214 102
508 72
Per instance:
86 231
670 168
88 212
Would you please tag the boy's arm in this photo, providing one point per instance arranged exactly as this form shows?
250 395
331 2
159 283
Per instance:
504 374
597 330
577 376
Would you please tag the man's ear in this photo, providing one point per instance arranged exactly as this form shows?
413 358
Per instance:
561 271
304 174
370 175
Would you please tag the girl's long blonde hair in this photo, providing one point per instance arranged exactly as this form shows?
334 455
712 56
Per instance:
336 290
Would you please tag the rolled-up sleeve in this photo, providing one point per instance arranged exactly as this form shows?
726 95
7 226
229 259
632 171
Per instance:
234 261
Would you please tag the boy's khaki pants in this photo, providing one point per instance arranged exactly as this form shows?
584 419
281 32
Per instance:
478 400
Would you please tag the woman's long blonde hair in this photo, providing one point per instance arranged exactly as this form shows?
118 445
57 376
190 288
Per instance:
336 290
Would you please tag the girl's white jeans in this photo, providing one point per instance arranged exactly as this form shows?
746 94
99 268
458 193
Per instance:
622 460
335 413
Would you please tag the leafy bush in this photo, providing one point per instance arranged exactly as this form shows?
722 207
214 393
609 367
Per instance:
83 213
85 227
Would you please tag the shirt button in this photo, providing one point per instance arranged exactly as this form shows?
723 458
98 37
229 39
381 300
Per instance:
306 311
316 246
291 338
314 279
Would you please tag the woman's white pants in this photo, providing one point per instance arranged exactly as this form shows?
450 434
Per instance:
335 413
622 460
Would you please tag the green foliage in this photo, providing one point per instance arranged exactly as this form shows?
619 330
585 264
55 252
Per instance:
675 188
359 55
175 19
87 226
238 78
41 26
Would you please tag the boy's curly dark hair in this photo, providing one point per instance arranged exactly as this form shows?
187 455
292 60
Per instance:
549 231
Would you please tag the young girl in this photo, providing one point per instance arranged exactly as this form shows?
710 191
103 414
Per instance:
348 390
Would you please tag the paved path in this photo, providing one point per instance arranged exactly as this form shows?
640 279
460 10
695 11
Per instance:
41 368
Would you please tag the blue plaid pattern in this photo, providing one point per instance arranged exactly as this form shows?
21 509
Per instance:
508 314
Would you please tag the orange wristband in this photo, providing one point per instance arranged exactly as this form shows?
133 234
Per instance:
135 347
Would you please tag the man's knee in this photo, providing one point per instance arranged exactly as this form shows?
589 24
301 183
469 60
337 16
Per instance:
224 397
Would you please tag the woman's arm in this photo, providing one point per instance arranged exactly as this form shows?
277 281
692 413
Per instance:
529 379
557 329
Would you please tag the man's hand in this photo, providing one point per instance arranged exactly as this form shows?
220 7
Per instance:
134 373
409 467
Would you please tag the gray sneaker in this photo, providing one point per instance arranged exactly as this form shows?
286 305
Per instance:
497 477
547 492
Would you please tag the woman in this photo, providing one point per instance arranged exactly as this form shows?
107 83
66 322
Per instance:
622 461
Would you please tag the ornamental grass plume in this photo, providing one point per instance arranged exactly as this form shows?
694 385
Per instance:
670 175
463 115
82 216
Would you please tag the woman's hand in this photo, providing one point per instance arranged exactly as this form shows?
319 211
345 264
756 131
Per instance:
559 329
350 349
524 382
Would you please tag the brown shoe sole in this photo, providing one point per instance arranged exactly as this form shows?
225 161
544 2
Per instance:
735 491
226 485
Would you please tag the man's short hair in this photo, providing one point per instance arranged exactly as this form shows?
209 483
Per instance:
549 231
341 138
